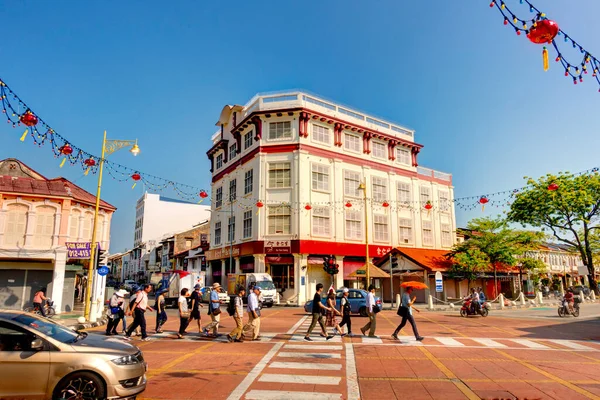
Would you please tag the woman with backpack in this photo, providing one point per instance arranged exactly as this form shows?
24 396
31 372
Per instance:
346 310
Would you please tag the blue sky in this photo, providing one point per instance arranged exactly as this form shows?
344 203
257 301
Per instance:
474 91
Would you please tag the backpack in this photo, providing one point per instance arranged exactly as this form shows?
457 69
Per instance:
346 309
231 307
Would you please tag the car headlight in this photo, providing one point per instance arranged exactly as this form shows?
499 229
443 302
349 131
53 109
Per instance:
127 360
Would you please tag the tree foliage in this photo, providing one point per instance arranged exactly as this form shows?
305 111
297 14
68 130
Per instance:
492 243
571 212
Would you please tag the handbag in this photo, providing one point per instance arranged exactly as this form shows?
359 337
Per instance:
184 314
216 311
115 310
403 311
376 309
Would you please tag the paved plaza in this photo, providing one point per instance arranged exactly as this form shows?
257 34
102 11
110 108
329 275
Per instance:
513 354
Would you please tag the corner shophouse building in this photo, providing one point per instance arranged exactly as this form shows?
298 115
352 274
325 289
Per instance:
38 217
286 170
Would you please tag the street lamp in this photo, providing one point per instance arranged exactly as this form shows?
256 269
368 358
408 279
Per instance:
363 187
108 147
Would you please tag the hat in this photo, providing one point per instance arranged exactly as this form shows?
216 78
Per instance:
256 287
197 286
216 285
346 290
121 293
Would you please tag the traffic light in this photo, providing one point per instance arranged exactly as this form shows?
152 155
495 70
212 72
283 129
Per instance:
330 266
394 262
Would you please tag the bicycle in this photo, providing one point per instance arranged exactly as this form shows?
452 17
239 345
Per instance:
48 308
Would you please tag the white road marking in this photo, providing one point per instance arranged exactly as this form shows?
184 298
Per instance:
312 347
295 327
372 340
351 375
311 366
308 379
245 384
279 395
529 343
488 342
449 342
571 344
290 354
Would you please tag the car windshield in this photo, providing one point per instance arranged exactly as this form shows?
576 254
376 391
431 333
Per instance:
48 328
265 285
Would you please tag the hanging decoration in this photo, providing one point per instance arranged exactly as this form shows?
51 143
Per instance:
65 150
348 204
385 204
89 163
483 201
136 177
308 207
541 30
552 187
41 133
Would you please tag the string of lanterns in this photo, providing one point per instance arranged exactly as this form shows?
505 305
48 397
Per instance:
17 114
541 30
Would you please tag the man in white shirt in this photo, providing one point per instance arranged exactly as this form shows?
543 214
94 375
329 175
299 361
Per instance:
139 308
253 325
372 324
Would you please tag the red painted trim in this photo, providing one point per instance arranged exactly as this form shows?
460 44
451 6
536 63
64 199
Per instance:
281 148
233 166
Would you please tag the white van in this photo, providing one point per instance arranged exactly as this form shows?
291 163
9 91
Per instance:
266 285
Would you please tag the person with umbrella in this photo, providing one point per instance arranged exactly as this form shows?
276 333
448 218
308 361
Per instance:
406 307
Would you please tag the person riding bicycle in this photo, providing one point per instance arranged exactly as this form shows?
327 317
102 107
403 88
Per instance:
38 301
570 298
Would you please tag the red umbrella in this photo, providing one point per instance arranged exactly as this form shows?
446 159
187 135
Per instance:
414 285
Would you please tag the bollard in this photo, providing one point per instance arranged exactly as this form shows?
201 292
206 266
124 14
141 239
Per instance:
501 300
593 295
398 299
522 298
540 298
430 302
93 311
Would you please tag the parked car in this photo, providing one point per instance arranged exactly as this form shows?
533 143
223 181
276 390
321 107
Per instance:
206 295
580 288
128 284
357 298
42 359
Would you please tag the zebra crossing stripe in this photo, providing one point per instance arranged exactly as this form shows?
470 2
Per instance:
529 343
311 366
571 344
279 394
306 379
489 343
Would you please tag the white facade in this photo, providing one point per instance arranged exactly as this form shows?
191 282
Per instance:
297 170
157 216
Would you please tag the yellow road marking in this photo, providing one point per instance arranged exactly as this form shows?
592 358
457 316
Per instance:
393 324
473 380
459 384
178 360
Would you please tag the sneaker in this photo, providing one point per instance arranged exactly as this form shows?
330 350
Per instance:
229 339
343 334
238 340
146 339
180 336
420 338
307 339
395 336
329 337
126 337
205 332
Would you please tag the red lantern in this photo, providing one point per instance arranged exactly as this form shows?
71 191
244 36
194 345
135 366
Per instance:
428 206
28 118
66 149
483 200
348 204
90 162
307 207
543 31
259 204
385 204
552 187
136 177
203 194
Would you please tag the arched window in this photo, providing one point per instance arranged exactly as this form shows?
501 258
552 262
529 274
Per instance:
88 221
16 225
44 226
74 225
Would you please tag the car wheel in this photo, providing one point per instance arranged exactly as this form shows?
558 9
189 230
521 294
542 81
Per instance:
363 312
80 386
269 305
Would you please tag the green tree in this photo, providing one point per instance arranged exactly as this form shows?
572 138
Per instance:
566 204
533 266
467 262
500 244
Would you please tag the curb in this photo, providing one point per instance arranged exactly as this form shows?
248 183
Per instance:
87 325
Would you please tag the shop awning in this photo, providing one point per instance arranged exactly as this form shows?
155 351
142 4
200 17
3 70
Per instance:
374 272
350 266
287 260
314 260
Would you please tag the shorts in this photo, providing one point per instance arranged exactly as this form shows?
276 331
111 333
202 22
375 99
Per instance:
195 314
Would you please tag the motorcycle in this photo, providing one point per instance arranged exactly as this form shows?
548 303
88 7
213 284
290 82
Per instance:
48 308
564 310
466 309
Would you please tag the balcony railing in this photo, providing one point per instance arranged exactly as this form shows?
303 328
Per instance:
430 173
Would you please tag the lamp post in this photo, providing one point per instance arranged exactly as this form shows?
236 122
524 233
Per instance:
363 187
108 147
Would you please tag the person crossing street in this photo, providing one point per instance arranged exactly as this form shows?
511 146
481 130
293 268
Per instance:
253 325
238 316
372 324
139 308
405 311
317 314
214 309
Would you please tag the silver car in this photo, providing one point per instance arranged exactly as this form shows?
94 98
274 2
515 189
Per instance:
40 359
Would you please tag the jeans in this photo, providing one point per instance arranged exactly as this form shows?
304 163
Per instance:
138 320
124 323
236 333
183 323
40 306
161 318
410 319
316 317
113 322
346 321
371 325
